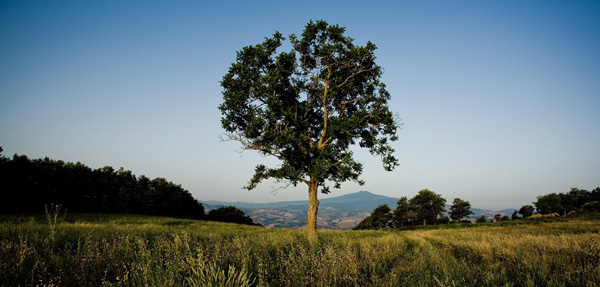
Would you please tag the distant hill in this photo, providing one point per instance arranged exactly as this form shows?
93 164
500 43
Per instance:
359 201
342 212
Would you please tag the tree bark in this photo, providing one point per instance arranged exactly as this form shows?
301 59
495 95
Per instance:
313 207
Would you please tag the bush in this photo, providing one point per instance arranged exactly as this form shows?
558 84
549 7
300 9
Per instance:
481 219
230 214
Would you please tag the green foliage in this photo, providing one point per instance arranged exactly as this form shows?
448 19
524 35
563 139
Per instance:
460 209
515 216
380 218
526 210
481 219
109 250
563 203
29 185
428 205
230 214
308 106
403 214
549 203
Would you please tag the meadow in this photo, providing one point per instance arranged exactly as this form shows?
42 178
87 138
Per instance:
113 250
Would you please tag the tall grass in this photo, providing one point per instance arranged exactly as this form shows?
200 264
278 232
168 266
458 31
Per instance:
96 250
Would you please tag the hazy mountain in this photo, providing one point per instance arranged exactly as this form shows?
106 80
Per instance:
342 212
508 211
359 201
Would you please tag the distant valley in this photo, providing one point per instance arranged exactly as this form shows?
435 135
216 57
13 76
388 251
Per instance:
342 212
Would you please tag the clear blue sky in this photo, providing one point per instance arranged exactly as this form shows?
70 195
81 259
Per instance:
500 99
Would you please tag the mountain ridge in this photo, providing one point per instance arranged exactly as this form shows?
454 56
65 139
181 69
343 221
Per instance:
341 212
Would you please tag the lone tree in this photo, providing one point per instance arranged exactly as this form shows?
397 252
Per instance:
308 107
428 205
460 209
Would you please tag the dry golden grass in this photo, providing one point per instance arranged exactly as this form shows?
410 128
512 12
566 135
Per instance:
151 251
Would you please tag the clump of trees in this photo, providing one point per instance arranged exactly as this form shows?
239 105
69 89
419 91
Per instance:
427 207
576 200
28 185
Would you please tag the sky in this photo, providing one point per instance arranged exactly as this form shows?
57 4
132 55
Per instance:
500 100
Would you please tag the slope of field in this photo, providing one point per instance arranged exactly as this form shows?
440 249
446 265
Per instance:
91 250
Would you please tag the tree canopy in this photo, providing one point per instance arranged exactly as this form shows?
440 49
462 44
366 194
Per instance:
307 107
460 209
380 218
562 203
526 210
428 205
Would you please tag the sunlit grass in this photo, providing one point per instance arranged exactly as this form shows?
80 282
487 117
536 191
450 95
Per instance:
101 250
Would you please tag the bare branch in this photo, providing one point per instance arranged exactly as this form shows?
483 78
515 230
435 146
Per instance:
274 190
247 144
354 75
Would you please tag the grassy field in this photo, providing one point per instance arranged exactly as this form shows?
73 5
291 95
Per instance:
94 250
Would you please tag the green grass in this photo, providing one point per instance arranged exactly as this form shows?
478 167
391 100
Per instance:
114 250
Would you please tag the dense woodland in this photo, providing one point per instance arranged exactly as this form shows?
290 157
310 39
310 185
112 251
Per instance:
31 184
428 207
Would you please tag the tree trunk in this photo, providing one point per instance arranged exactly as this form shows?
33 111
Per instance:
313 206
424 221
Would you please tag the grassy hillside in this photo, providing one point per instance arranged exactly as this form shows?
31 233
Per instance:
92 250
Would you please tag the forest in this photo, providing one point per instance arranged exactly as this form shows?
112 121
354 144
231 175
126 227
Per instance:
29 185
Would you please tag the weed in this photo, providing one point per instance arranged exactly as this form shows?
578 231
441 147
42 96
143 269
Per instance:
52 215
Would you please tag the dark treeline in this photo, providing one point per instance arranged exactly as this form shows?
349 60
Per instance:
28 185
427 207
563 203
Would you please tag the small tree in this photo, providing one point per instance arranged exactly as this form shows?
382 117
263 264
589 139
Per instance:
428 205
460 209
515 216
380 218
401 213
497 217
308 107
481 219
526 211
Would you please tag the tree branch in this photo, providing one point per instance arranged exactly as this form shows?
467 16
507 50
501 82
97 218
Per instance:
250 145
354 75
